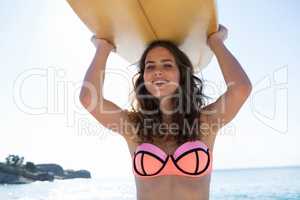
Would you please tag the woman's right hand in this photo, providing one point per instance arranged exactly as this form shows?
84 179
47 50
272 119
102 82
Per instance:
102 43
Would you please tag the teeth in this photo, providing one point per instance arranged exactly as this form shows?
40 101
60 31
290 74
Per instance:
160 82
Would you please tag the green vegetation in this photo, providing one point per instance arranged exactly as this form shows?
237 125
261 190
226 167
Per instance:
14 160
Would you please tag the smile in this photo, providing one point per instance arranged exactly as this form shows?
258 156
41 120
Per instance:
160 82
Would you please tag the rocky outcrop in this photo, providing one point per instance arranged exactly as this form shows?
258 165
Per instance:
43 172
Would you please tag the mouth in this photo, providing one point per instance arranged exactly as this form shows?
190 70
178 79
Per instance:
160 83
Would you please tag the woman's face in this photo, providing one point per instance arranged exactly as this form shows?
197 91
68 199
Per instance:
161 72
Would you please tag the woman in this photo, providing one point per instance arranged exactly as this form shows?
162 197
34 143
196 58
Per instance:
173 161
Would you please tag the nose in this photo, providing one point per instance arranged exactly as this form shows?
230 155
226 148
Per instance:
158 72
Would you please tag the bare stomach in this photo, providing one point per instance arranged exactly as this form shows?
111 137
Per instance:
173 187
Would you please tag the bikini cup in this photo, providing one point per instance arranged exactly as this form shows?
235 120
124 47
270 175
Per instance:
191 158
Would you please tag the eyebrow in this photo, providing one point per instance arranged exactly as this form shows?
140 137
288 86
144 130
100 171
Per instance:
163 60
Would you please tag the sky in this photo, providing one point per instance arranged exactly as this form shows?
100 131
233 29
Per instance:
45 51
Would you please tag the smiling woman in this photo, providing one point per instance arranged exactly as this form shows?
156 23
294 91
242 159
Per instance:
169 163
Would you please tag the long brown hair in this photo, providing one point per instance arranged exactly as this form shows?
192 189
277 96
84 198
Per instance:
188 98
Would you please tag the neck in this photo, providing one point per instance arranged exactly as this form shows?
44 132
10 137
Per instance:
166 109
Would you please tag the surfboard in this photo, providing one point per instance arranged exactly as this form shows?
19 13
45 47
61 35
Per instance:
132 24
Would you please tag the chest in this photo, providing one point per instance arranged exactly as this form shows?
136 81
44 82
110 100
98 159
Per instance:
169 147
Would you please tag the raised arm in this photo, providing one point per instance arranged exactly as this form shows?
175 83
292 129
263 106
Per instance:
239 87
91 96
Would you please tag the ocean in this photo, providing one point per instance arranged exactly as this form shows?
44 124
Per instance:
244 184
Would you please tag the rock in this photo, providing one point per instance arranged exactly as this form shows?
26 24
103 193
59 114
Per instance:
13 179
44 177
30 166
8 178
77 174
55 169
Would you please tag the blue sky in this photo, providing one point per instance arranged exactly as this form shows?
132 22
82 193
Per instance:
45 51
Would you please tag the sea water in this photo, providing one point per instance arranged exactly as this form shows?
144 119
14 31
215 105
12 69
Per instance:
245 184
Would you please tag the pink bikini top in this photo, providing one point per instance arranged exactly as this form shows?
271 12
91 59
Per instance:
190 159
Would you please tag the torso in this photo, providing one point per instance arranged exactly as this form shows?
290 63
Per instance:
171 187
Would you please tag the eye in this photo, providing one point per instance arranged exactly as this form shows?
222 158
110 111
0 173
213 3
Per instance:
168 65
149 67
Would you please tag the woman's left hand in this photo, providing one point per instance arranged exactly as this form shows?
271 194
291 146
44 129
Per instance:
219 36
